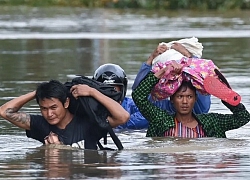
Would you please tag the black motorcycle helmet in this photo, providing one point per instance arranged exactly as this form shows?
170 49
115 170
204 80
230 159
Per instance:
114 75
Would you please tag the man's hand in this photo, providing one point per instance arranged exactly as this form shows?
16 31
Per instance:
81 90
52 138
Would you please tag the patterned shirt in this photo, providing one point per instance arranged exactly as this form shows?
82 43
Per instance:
181 130
160 121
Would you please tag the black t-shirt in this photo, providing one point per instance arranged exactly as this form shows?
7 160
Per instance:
78 130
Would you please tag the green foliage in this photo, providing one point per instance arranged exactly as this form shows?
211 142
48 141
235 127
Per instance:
139 4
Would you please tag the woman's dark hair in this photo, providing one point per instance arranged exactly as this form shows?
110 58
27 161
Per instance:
51 89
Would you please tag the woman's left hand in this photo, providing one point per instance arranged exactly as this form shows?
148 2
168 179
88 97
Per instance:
177 68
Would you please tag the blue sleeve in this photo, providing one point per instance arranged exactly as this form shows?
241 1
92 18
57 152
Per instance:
136 121
144 70
202 104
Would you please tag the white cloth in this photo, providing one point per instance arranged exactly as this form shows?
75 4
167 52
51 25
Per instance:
191 44
168 55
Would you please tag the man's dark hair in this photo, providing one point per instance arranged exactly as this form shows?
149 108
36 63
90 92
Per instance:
184 86
51 89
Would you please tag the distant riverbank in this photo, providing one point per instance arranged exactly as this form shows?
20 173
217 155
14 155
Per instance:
137 4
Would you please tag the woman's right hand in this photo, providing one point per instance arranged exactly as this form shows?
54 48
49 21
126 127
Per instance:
159 50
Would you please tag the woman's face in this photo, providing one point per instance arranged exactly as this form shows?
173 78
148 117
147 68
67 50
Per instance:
117 88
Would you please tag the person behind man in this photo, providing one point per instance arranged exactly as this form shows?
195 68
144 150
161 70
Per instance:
114 75
184 123
203 102
57 125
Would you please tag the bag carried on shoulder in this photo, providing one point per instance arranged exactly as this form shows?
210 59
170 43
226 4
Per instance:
89 108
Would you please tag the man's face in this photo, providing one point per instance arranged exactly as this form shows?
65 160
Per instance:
184 101
53 110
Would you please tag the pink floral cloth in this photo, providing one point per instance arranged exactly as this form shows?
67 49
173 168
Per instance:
194 69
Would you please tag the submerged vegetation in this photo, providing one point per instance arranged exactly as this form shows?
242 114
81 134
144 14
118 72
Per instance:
138 4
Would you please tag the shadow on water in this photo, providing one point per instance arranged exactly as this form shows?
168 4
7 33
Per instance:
38 44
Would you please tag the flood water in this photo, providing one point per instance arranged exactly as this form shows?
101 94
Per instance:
39 44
